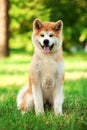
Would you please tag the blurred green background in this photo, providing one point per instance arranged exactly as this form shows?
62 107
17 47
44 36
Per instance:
14 70
72 13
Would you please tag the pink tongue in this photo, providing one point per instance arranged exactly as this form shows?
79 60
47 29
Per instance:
46 49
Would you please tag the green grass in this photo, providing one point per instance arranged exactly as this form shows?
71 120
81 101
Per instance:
14 74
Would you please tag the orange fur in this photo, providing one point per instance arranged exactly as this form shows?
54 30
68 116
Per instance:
47 67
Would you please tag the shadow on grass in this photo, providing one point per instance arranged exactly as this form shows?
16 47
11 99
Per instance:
13 72
21 51
76 87
77 70
17 56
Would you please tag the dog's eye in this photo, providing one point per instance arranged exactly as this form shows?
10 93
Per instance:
51 35
42 35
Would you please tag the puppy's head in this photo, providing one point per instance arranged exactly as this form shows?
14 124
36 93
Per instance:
47 36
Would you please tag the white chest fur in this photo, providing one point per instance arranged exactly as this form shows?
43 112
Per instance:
48 74
49 70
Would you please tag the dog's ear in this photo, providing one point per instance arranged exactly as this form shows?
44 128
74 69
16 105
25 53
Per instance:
58 25
37 24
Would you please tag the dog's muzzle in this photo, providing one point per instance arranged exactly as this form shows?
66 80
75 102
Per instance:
46 47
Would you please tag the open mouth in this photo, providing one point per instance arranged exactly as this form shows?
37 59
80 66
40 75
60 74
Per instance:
47 49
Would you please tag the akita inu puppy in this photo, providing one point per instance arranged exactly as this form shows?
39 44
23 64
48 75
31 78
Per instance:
46 70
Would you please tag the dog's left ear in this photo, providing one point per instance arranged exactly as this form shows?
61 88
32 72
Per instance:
58 25
37 24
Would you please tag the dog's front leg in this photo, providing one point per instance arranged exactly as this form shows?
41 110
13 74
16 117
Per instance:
58 99
38 99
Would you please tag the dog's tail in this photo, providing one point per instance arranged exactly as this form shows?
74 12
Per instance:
25 99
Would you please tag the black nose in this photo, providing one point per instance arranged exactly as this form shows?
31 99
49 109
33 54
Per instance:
46 42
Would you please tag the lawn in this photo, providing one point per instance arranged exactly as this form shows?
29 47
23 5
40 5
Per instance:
14 72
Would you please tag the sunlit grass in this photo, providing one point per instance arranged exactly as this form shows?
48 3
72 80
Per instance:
14 72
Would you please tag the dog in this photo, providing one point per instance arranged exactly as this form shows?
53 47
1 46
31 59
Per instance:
46 77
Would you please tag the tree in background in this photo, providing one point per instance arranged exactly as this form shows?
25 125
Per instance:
4 47
73 14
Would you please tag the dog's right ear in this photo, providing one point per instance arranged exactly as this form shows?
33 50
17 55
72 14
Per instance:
37 24
59 25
